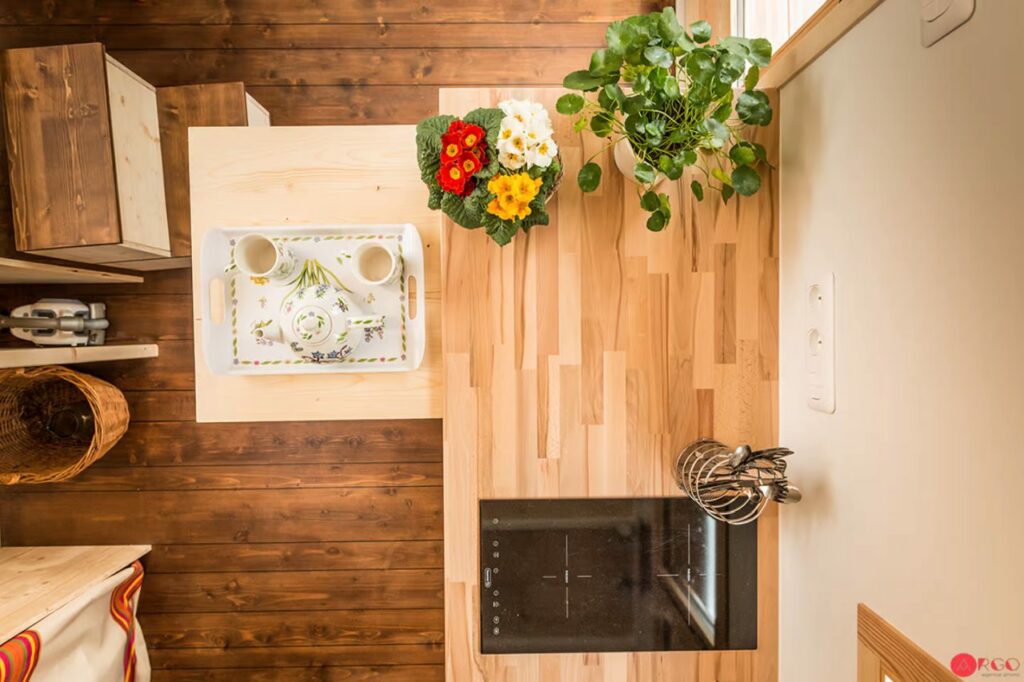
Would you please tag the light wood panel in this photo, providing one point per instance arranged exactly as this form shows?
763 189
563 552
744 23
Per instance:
36 581
818 33
314 176
60 355
17 271
135 129
883 650
579 360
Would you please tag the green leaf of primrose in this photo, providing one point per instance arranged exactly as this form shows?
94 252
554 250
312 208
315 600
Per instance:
644 173
658 56
701 31
742 155
760 52
746 181
754 108
581 80
657 221
753 75
727 192
649 201
569 104
589 177
689 157
579 124
698 190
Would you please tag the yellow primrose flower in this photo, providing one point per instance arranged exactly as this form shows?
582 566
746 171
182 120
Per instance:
499 184
513 194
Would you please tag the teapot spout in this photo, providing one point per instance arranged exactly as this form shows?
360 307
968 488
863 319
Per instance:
266 332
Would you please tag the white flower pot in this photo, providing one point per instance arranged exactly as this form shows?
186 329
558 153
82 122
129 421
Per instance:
626 160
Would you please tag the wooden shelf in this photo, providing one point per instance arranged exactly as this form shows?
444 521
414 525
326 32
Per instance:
63 355
39 580
15 271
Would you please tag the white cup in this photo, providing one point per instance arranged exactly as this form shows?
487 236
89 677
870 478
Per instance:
259 256
375 264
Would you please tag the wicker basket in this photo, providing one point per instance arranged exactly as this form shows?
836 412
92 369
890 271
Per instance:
30 452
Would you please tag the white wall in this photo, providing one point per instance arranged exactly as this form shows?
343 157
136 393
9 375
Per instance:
903 173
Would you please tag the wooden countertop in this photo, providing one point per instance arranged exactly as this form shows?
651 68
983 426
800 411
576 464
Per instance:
36 581
314 175
581 359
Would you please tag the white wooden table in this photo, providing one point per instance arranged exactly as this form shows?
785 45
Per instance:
303 176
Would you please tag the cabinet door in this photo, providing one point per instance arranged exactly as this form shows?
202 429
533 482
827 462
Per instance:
61 163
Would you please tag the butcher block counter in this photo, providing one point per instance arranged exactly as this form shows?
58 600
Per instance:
37 581
580 359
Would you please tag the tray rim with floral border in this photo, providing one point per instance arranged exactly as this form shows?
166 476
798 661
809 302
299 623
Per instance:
222 350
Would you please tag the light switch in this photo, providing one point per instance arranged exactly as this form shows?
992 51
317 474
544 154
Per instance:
819 349
939 18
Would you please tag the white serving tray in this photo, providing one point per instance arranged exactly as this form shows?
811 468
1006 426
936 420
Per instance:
231 301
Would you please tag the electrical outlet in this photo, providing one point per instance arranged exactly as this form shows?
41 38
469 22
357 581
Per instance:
820 344
939 18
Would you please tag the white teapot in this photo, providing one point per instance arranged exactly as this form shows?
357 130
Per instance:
321 323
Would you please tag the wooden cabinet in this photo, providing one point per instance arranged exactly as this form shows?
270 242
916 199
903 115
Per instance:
180 108
83 141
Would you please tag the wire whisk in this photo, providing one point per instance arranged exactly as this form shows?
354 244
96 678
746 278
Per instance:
734 486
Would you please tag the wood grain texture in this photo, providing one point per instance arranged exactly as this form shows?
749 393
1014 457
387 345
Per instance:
579 361
883 648
135 128
315 12
59 145
215 104
164 443
20 271
312 175
36 581
830 23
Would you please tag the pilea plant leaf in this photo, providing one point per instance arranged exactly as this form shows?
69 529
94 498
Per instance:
569 104
589 177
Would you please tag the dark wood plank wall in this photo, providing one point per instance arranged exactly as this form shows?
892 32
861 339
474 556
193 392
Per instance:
295 551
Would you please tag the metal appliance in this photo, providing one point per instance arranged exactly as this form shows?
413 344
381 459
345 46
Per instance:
59 322
637 574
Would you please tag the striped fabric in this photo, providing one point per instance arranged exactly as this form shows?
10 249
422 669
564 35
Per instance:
122 612
19 657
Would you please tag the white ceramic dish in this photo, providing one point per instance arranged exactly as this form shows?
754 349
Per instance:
233 303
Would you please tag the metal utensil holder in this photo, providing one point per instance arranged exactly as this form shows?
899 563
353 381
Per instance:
734 486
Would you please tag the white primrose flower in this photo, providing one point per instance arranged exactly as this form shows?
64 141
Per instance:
517 109
542 153
511 161
538 130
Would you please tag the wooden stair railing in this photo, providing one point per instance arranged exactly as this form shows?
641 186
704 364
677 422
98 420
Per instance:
884 653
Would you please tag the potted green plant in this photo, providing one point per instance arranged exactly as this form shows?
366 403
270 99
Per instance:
666 96
493 168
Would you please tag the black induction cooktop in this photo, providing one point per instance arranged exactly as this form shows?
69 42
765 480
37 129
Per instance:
648 574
